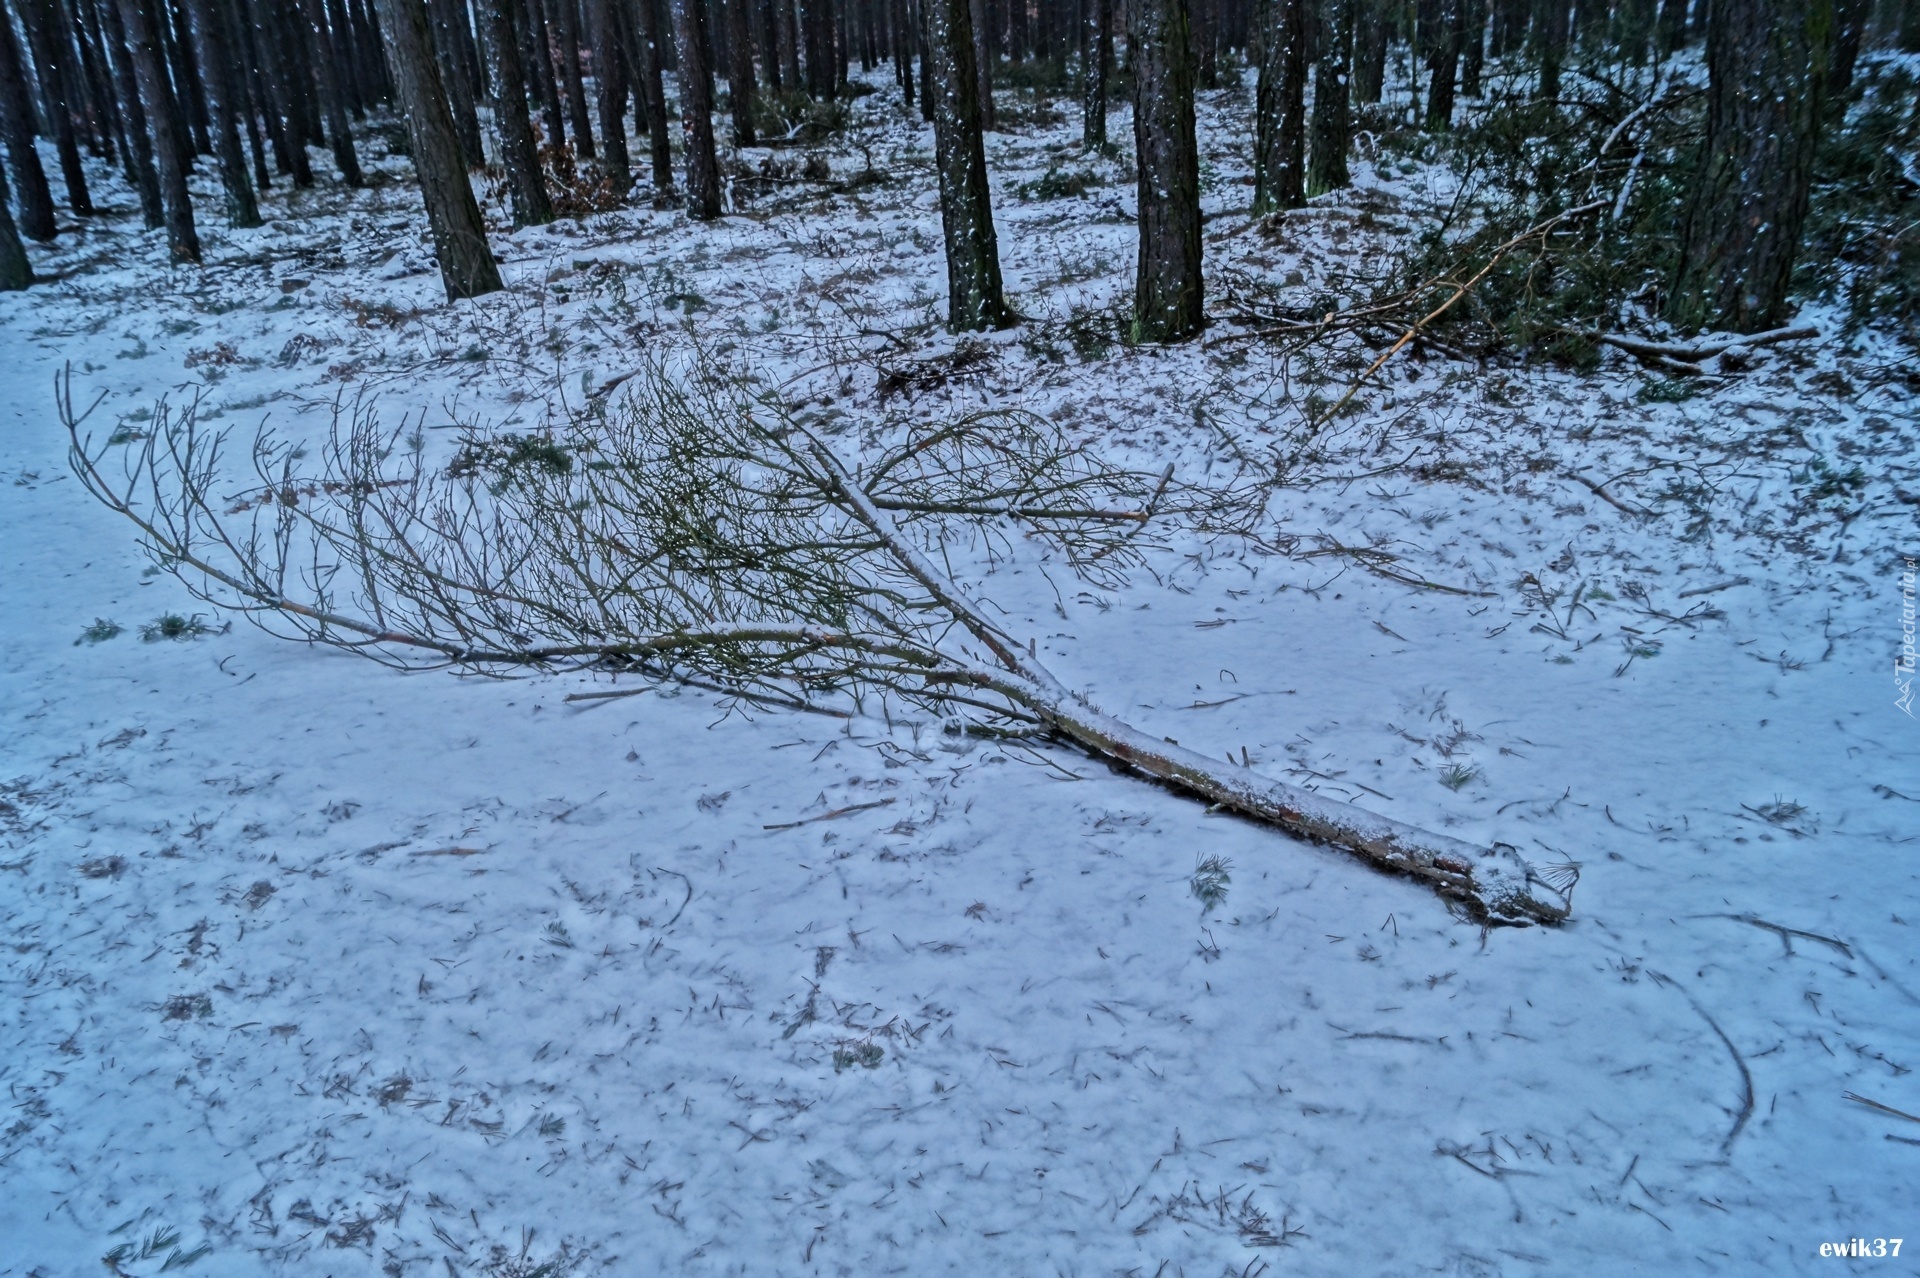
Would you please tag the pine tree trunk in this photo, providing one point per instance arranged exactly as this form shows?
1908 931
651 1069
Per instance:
1332 113
980 17
537 60
526 185
1280 144
30 187
823 59
171 20
16 272
1849 32
169 148
83 22
903 42
1768 63
1096 60
650 60
1443 64
567 35
459 236
1550 43
1371 34
346 65
284 120
216 70
974 296
1167 299
453 42
610 77
333 97
1473 50
142 175
740 70
372 67
787 20
44 38
696 111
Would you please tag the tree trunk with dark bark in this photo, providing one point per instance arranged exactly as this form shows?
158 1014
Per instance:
30 187
526 184
740 70
1443 64
169 148
332 94
216 71
1372 32
1332 111
1768 63
16 272
974 296
1280 122
1550 20
1168 301
980 17
137 157
454 44
567 36
45 37
459 236
1096 63
648 61
696 110
286 120
610 77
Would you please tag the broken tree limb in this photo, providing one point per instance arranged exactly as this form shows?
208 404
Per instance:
715 540
1460 290
1663 353
1495 883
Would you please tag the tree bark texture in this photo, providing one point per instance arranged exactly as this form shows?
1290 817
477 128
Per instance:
169 148
453 42
1768 63
141 172
288 127
696 110
1280 122
740 69
980 16
1096 62
16 272
1332 112
513 130
459 236
610 76
217 71
46 39
1443 63
567 36
975 299
1550 20
1372 33
332 94
1167 296
30 187
648 61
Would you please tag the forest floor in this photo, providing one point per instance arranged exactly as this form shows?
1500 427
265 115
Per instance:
316 968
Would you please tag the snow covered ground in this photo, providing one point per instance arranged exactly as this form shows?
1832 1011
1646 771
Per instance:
315 968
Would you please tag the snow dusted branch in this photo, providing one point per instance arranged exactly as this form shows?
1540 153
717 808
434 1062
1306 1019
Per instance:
698 533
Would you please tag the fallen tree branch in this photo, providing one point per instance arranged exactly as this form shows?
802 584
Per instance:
1460 291
719 541
1694 354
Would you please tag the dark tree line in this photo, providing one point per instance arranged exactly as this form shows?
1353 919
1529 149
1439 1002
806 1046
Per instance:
245 88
